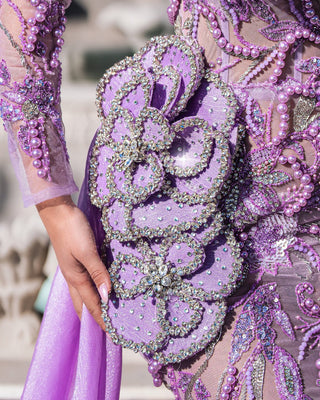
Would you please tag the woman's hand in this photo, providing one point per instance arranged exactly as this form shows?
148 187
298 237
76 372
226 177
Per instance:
78 258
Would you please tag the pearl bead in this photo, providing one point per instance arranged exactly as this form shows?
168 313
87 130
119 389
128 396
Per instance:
277 71
36 153
281 55
255 53
243 236
281 64
298 33
284 117
273 79
309 303
283 98
292 159
54 63
157 382
37 164
30 47
224 396
302 202
237 49
216 33
34 30
227 388
283 46
296 207
222 42
231 380
283 160
40 17
312 37
306 179
309 187
246 51
229 47
282 108
306 33
295 166
290 91
276 140
42 8
306 195
318 363
290 38
288 212
305 92
41 173
298 174
35 142
315 309
232 370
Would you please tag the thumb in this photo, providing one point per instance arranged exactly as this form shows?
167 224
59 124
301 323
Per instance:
100 277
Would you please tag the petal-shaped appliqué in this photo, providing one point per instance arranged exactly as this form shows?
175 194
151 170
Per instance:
161 216
187 61
134 324
179 348
184 252
133 182
100 183
166 88
191 148
111 83
214 102
220 270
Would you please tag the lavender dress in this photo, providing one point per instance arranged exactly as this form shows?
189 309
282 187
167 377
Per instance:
202 190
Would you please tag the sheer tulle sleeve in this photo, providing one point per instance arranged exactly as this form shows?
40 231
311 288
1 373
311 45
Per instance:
30 79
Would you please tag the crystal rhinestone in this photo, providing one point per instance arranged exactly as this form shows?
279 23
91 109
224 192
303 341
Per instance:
166 281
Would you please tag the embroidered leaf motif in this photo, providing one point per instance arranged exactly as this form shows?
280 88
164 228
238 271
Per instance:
260 199
279 30
243 394
178 26
258 372
298 148
283 321
275 178
302 113
242 337
261 10
288 377
309 66
4 74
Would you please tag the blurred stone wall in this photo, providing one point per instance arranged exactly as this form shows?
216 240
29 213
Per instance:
110 30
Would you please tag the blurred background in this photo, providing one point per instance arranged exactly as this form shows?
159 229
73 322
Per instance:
99 33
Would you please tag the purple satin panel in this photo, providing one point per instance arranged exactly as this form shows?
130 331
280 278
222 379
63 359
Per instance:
76 369
72 360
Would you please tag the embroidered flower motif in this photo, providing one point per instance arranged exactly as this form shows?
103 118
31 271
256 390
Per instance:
33 102
156 168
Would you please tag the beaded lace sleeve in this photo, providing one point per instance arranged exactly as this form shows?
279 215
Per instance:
30 78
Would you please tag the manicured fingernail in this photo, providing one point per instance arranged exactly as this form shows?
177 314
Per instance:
103 291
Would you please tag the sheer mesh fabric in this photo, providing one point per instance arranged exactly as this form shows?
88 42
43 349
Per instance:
34 189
